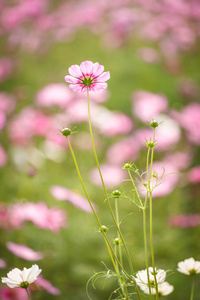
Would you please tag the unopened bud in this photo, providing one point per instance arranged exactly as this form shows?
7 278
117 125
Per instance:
116 193
127 166
103 228
116 241
66 131
155 175
154 124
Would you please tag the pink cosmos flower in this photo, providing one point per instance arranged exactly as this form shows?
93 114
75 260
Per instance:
47 286
23 251
63 194
54 94
89 76
184 221
194 175
113 175
39 214
147 105
7 293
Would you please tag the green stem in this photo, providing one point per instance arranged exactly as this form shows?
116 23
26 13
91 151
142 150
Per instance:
150 188
104 188
117 219
146 249
28 294
192 289
109 247
89 201
135 189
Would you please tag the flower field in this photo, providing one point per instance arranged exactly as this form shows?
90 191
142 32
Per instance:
127 62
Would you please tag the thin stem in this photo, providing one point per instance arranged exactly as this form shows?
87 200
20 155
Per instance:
109 247
135 189
146 249
104 188
117 219
89 201
28 294
150 188
192 289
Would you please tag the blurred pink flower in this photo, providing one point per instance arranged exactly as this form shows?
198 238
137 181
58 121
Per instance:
148 55
172 164
168 133
87 76
114 123
125 150
146 105
64 194
3 263
7 103
55 94
189 119
194 175
23 251
113 175
27 124
184 221
7 293
39 214
6 68
47 286
2 120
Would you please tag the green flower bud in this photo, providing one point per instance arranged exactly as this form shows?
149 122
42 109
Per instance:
154 124
103 228
116 193
66 131
155 175
116 241
127 166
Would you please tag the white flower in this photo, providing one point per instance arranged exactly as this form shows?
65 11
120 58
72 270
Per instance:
164 289
18 278
189 266
142 279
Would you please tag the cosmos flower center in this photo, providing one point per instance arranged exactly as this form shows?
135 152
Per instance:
24 284
192 272
87 80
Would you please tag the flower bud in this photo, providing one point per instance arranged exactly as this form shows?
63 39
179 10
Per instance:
151 144
116 193
154 124
103 228
116 241
127 166
66 131
155 175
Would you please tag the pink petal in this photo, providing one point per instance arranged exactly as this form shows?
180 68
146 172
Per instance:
24 251
103 77
112 175
97 69
98 87
75 71
76 87
87 67
71 79
47 286
63 194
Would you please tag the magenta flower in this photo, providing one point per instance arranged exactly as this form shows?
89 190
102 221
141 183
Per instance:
89 76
